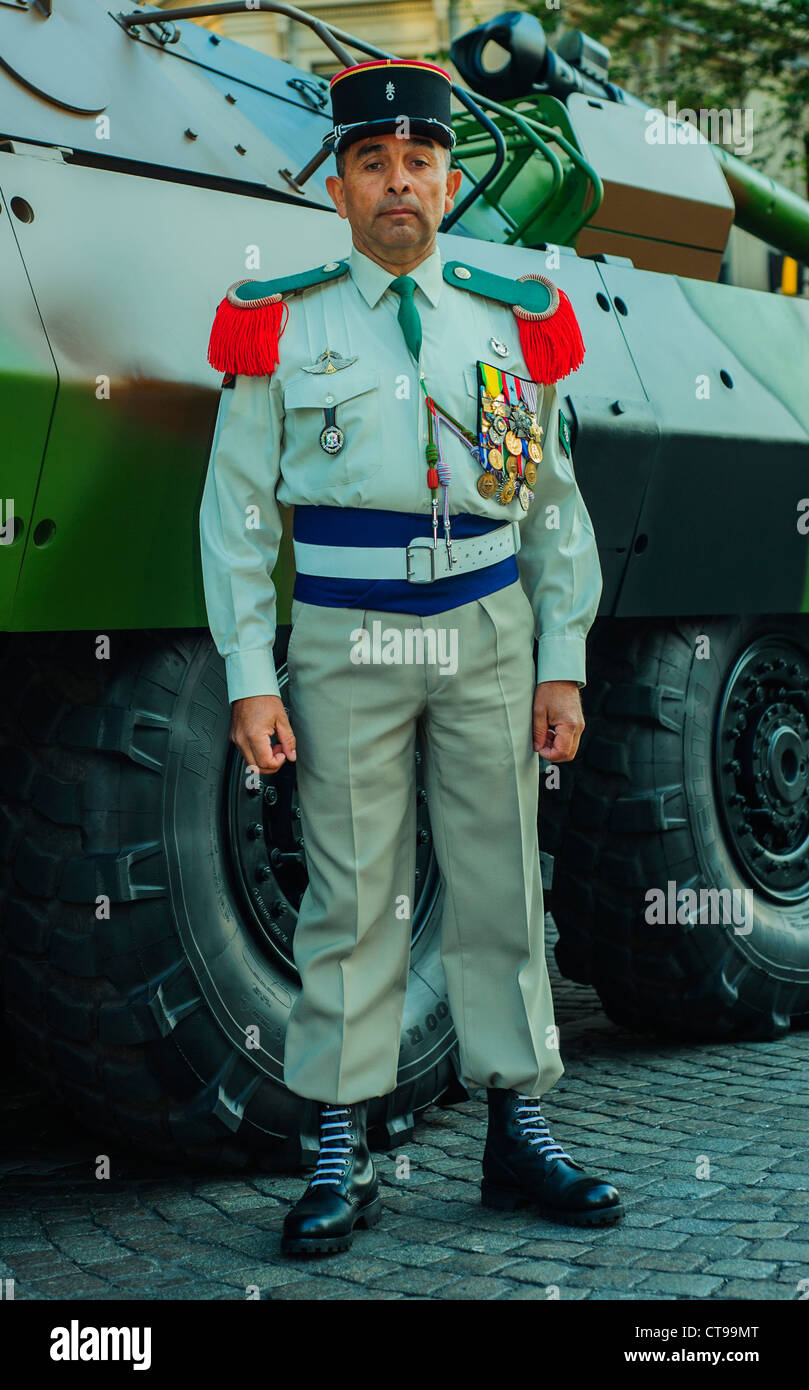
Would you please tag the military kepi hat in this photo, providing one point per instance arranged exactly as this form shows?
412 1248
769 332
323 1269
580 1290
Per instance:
374 98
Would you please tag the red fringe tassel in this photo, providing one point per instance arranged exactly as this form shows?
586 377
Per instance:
552 347
246 340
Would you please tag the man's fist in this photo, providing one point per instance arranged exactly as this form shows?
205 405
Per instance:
253 721
558 720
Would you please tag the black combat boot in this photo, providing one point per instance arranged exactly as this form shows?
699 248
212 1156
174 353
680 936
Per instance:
522 1166
344 1189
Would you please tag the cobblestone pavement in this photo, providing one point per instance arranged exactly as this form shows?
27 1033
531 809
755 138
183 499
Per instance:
707 1144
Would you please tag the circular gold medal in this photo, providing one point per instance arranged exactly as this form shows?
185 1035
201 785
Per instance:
524 498
512 465
495 459
513 442
534 451
506 492
530 473
487 484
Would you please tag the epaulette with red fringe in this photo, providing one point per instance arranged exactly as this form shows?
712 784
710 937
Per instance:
550 337
251 318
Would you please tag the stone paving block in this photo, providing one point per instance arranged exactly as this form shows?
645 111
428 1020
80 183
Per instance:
582 1276
484 1241
755 1207
605 1257
538 1271
413 1253
470 1262
671 1261
797 1251
697 1225
122 1271
554 1248
776 1182
760 1230
753 1289
69 1286
675 1284
414 1228
742 1269
25 1245
648 1217
424 1280
538 1292
659 1238
716 1247
304 1288
353 1266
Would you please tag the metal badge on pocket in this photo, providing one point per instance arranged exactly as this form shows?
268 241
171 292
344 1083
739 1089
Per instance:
509 436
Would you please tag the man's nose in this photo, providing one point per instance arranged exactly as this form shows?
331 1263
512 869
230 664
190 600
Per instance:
398 181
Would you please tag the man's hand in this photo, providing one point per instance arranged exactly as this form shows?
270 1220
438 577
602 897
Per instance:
253 720
558 720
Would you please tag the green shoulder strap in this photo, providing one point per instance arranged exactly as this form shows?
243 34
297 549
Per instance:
528 294
291 284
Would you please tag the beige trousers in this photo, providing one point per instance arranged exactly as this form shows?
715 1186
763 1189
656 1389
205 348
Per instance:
355 726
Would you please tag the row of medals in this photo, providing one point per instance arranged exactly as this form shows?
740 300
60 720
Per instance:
508 425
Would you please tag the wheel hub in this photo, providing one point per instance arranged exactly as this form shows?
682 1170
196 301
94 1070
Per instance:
762 766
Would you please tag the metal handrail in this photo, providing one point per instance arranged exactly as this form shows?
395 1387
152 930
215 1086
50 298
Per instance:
333 39
551 133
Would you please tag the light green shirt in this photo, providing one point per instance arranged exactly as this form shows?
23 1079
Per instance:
266 450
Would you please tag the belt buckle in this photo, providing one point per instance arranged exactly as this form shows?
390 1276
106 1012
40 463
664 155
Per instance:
421 546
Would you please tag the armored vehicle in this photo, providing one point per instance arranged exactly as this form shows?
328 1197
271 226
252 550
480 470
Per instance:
149 887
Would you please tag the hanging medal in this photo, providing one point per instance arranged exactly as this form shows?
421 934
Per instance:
332 438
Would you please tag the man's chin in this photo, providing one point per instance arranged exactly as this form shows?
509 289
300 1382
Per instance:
408 232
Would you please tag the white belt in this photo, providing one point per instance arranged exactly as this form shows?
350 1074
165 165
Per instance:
420 562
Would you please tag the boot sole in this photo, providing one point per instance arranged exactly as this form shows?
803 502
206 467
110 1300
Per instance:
323 1245
506 1199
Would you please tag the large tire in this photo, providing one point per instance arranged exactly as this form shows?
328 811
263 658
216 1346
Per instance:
695 772
150 900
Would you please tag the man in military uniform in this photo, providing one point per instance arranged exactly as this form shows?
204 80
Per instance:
406 407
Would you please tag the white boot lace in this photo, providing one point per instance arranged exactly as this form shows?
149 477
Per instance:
532 1122
333 1131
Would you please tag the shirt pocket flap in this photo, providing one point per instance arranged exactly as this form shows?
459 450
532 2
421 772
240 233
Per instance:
327 388
471 379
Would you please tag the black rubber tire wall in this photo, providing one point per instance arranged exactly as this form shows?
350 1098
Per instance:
110 780
637 808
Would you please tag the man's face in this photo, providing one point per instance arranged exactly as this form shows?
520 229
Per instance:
395 194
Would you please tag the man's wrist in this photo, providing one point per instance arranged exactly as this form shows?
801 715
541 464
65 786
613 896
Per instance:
251 672
561 658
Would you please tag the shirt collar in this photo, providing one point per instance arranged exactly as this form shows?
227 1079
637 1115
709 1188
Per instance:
372 279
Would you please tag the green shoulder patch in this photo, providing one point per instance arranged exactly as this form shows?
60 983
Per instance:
564 434
251 292
533 295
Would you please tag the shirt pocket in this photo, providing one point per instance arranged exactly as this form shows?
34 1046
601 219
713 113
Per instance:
353 395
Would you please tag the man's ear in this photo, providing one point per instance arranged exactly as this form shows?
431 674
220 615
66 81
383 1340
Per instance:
334 186
453 184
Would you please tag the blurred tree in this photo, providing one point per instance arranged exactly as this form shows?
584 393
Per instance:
704 54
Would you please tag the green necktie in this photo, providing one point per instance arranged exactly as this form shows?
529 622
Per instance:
408 314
